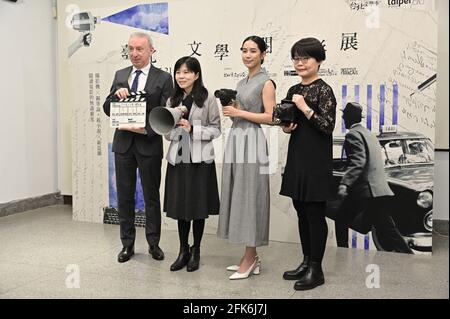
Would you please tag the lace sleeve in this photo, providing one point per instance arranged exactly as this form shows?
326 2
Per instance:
324 118
289 94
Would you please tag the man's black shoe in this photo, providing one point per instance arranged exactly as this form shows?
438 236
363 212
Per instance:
125 254
156 252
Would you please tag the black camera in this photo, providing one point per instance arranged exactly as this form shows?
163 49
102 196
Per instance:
226 96
285 113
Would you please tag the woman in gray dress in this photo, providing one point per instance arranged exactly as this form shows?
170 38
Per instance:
245 205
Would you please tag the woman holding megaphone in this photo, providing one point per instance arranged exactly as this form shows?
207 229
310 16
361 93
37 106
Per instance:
191 192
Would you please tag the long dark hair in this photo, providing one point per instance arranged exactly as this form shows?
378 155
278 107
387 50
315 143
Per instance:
199 93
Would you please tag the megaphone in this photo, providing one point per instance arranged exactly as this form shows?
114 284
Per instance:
163 119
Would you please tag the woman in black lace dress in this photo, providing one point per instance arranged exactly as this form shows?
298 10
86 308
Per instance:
307 177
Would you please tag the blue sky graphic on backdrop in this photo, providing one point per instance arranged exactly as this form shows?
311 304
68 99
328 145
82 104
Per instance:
151 17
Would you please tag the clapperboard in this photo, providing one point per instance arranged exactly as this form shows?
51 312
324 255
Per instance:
129 111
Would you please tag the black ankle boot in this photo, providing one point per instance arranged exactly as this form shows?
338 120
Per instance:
312 278
298 273
182 260
194 261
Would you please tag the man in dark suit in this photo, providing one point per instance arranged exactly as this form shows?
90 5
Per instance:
364 188
139 147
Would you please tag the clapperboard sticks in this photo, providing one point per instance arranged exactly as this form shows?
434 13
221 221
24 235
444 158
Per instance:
138 96
130 110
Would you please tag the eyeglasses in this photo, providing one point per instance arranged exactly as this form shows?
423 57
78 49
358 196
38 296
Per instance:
303 59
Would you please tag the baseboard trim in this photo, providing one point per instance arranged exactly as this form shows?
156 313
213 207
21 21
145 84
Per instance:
67 199
22 205
440 226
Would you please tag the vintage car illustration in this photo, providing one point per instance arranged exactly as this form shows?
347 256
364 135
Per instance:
409 164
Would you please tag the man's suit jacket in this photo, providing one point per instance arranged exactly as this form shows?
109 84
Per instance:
365 176
159 87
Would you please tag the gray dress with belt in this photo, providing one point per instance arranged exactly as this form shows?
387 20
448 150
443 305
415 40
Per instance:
245 199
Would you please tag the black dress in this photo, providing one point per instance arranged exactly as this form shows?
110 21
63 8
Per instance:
309 167
191 190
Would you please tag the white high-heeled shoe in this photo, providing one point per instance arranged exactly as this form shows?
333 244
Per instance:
256 271
254 268
236 267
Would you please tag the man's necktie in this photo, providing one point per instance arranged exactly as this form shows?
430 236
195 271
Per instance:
134 86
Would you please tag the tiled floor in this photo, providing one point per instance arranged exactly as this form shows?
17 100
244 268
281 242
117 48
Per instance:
42 250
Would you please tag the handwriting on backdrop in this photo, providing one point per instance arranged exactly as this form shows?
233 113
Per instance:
415 75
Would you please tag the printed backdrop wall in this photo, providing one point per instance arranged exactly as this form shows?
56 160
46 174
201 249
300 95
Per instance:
379 53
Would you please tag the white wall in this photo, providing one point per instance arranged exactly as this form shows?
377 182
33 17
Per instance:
440 209
28 160
441 182
442 80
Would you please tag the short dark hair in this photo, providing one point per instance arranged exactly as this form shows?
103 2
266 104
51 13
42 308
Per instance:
199 92
262 45
309 47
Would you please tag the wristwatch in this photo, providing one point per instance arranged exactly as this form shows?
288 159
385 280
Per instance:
309 111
